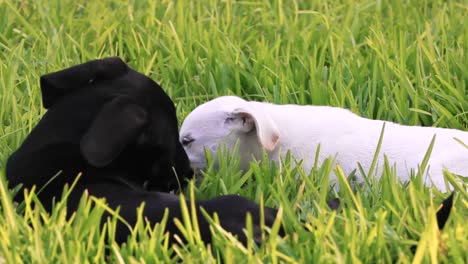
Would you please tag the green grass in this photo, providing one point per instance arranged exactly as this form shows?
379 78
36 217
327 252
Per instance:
403 61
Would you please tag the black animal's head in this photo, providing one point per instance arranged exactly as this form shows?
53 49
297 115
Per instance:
120 119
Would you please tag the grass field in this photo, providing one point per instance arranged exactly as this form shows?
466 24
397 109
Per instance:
404 61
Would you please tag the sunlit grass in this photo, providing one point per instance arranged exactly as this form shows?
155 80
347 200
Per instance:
402 61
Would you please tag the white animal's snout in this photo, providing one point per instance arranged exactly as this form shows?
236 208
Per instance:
194 151
197 160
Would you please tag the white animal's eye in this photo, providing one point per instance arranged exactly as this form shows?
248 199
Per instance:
187 140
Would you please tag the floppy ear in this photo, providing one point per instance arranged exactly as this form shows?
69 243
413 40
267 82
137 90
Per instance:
54 85
247 118
118 123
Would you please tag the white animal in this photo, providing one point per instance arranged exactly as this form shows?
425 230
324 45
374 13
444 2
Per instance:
300 129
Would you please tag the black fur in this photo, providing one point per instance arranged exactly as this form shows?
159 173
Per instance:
119 129
442 215
444 212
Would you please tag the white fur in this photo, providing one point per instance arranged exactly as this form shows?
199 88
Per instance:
300 129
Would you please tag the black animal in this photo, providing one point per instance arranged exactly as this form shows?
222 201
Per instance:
119 129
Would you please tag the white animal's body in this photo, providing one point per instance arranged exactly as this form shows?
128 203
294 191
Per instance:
299 129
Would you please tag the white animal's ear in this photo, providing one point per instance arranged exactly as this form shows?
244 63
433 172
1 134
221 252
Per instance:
246 118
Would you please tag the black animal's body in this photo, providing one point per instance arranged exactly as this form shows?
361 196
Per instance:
118 128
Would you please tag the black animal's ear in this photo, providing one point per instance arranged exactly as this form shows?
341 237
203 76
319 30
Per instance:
118 124
56 84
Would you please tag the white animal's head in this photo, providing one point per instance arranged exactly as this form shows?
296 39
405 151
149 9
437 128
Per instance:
223 121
